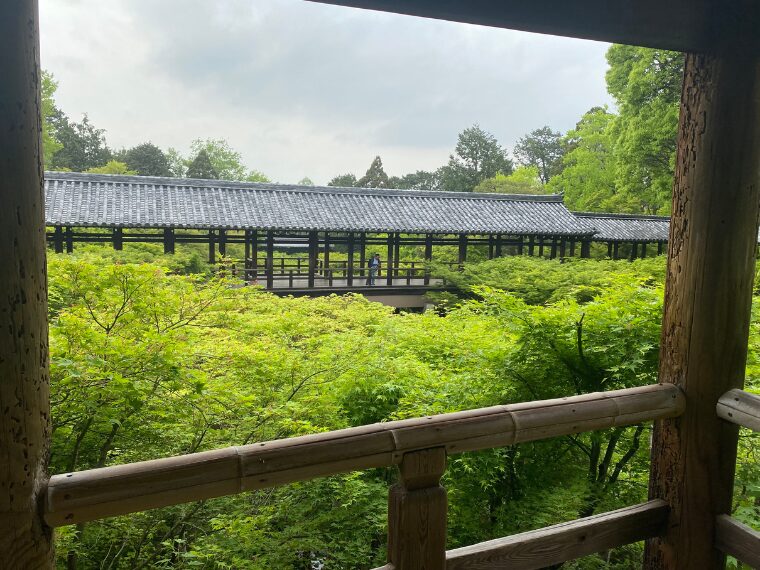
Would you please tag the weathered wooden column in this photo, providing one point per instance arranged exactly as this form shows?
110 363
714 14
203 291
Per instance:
417 508
69 239
499 246
609 249
615 250
531 245
634 250
708 293
659 248
540 246
562 246
25 541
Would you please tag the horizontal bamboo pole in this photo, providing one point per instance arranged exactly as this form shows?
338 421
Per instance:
740 407
565 541
737 540
98 493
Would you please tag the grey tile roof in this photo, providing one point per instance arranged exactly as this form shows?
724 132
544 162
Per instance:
75 199
625 227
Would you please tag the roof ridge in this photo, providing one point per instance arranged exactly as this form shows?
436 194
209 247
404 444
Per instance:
621 216
267 186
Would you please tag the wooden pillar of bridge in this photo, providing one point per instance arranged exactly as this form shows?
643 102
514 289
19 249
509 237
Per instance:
69 235
708 296
169 240
462 258
540 246
363 255
634 250
643 249
25 541
609 249
350 245
58 239
428 257
499 246
586 249
659 248
270 260
254 254
615 250
397 253
531 246
222 243
491 247
326 256
389 262
572 248
247 255
117 239
553 250
313 254
211 247
562 246
417 508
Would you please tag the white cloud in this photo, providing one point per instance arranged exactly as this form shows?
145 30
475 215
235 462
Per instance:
304 89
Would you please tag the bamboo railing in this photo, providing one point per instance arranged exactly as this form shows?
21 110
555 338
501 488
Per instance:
417 504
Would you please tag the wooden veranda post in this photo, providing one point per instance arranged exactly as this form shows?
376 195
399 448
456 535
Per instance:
417 508
25 542
711 259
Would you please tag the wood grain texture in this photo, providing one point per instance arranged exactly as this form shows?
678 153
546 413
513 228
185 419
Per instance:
562 542
738 540
681 25
417 509
741 408
98 493
708 292
24 380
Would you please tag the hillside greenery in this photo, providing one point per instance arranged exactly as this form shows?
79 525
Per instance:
149 360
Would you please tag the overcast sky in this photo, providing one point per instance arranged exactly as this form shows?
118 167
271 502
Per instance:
304 89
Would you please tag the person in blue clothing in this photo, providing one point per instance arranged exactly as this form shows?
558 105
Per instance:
374 268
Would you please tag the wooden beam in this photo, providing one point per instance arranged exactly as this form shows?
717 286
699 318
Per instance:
417 508
741 408
738 540
680 25
565 541
708 294
121 489
25 541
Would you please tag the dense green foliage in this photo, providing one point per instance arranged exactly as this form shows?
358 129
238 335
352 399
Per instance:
149 363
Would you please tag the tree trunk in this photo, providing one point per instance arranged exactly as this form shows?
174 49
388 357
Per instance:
25 542
708 294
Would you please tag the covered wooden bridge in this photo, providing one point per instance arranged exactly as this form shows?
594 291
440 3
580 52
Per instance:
259 222
697 407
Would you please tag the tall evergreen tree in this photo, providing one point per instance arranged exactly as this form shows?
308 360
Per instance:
84 146
375 176
201 167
